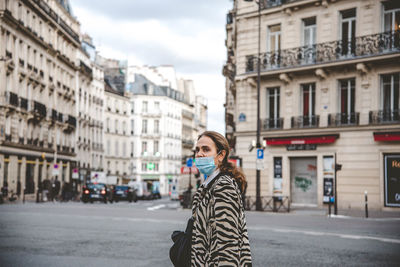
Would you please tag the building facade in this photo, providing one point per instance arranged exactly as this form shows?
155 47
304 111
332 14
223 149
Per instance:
90 100
116 136
329 93
156 129
39 42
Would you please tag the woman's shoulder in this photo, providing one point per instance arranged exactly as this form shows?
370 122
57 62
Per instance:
225 182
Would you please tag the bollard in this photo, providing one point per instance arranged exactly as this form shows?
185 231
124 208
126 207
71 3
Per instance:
366 203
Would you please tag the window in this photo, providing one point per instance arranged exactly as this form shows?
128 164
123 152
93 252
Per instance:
347 101
132 127
144 106
348 31
309 31
124 149
132 149
309 39
132 107
108 147
308 95
391 23
157 106
390 96
144 126
156 167
116 148
274 38
273 120
155 147
144 167
144 147
156 126
116 126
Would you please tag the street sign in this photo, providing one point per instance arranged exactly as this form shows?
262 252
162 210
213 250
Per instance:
260 153
259 164
189 162
187 170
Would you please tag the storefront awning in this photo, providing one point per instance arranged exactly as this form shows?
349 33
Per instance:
387 136
302 140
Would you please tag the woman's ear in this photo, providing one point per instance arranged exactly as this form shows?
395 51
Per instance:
221 156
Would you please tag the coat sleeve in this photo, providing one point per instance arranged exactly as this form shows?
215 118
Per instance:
226 231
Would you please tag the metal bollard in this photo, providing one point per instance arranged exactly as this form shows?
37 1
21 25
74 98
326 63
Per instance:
366 203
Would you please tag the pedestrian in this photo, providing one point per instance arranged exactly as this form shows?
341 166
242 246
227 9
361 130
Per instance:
219 235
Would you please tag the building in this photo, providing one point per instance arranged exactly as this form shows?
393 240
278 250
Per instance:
156 123
116 136
329 92
90 99
39 42
181 116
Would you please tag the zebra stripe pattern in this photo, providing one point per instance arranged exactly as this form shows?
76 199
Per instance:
220 235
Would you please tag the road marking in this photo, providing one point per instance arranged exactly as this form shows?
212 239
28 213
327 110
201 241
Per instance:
156 207
314 233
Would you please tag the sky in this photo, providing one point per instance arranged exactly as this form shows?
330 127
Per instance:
188 34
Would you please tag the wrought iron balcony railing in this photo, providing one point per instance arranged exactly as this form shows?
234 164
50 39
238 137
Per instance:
360 47
40 108
272 123
343 119
13 99
305 121
23 103
384 116
71 121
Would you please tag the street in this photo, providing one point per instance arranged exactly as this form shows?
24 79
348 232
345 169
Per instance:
138 234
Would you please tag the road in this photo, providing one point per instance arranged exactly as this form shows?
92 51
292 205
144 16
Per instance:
138 234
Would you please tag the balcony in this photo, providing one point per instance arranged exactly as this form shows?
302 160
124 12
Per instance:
384 117
272 124
49 11
71 121
152 113
328 52
305 121
54 115
86 70
343 119
13 99
39 108
23 103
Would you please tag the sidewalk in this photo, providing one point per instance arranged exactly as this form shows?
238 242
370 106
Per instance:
347 213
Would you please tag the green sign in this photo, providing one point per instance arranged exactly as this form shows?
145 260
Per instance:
150 166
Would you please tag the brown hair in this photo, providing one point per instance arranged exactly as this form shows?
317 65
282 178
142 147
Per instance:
226 167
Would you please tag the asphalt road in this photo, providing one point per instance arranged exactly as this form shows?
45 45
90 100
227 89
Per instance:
138 234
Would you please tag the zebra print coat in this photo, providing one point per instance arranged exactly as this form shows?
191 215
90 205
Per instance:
219 235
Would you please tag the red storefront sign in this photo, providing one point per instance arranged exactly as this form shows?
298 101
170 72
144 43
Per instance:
302 140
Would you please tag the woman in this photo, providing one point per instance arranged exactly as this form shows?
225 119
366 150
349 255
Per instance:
219 236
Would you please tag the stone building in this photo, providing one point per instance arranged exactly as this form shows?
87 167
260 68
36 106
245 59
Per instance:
90 151
39 42
329 92
116 134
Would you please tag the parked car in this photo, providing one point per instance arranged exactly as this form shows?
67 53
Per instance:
124 192
94 192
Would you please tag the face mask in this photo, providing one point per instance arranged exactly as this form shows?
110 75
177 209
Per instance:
205 165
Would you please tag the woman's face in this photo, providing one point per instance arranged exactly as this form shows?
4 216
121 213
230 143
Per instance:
206 147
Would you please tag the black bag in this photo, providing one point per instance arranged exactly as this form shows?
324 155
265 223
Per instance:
179 253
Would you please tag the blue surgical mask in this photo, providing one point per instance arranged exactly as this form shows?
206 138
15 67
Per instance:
205 165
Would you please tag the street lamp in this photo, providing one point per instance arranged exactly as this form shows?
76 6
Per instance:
258 143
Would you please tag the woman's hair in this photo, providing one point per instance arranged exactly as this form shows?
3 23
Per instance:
226 167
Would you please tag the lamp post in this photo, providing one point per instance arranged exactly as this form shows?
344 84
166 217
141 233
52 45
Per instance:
258 143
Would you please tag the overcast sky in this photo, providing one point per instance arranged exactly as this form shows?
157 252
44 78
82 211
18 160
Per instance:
188 34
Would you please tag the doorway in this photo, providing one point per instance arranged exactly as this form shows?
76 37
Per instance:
303 181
